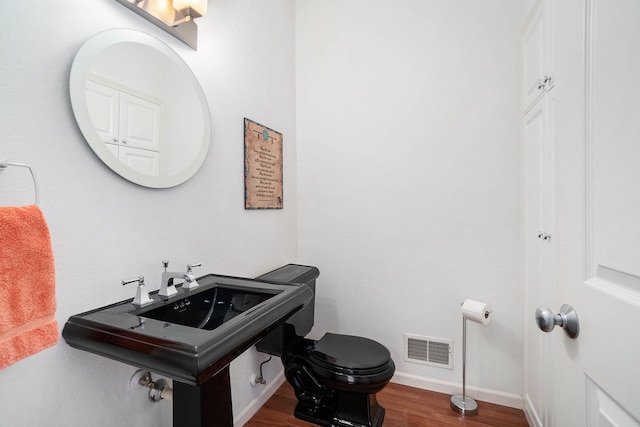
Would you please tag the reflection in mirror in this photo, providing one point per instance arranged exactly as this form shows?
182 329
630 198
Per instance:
140 108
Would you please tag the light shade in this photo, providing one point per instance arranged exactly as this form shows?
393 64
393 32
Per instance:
197 6
174 16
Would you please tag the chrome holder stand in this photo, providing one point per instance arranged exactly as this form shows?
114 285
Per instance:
461 404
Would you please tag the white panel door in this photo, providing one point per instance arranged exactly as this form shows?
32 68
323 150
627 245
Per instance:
597 375
538 278
536 45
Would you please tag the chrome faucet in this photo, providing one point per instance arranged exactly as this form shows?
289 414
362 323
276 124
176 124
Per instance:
142 295
190 281
167 287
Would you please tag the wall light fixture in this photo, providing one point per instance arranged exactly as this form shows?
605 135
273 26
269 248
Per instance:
174 16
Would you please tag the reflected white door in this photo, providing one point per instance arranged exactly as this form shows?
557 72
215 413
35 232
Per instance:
144 161
103 104
129 125
139 122
597 239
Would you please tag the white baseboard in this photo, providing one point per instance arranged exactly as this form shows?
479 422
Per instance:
257 403
492 396
511 400
530 413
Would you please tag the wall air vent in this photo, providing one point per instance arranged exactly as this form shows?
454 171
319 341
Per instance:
428 351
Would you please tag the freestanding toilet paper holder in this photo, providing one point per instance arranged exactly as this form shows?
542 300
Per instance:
462 404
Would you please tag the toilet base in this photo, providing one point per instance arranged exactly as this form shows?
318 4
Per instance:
343 409
325 398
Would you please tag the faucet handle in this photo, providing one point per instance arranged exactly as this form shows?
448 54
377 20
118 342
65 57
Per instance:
190 266
139 279
190 281
165 264
142 295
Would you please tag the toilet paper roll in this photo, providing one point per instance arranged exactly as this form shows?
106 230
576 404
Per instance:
477 311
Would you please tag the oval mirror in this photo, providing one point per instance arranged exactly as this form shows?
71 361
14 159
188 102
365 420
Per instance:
140 108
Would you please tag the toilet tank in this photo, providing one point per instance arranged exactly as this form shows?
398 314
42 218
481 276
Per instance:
280 340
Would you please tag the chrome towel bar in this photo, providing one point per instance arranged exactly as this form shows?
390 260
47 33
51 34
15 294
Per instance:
4 163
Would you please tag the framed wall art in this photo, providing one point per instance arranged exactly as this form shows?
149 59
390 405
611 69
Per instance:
262 167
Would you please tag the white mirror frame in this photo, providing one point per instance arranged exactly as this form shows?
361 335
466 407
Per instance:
80 69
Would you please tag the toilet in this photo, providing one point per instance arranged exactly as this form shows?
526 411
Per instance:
335 378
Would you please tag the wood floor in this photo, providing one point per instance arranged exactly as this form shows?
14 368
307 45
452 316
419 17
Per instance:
405 407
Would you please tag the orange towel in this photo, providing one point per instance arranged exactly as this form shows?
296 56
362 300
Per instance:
27 285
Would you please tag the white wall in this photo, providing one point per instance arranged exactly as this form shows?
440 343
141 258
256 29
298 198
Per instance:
105 229
409 171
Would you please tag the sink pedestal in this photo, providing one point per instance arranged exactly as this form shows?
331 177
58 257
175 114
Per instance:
204 405
191 340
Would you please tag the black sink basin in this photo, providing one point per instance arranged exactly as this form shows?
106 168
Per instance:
193 335
210 308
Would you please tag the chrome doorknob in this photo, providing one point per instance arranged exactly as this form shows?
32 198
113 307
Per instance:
567 319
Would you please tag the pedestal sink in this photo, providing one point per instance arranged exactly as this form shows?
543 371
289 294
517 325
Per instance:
193 336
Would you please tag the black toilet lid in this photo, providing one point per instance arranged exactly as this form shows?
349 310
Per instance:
351 354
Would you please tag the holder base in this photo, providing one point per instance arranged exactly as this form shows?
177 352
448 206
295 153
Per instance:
465 406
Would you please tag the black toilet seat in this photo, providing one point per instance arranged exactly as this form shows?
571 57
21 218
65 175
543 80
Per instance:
351 360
